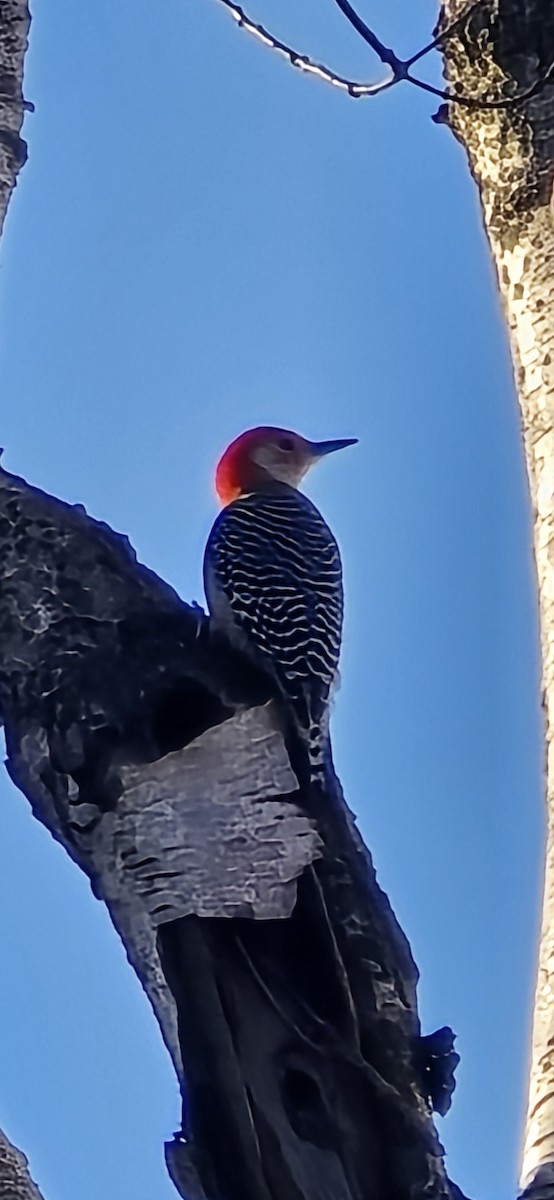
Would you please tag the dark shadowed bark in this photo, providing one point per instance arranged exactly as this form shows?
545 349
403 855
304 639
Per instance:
248 907
15 1181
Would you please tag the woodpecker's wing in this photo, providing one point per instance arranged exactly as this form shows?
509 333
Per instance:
273 580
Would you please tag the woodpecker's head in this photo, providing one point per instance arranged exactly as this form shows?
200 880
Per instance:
263 455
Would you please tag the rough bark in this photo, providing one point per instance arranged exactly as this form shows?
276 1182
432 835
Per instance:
14 28
249 907
502 48
15 19
15 1181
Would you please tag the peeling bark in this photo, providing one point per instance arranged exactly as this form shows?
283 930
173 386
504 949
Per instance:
249 908
15 20
502 48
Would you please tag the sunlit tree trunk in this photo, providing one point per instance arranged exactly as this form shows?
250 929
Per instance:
503 48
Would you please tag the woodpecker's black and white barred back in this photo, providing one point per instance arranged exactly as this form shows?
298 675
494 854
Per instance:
273 578
274 585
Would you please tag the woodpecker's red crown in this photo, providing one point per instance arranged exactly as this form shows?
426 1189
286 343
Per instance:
267 453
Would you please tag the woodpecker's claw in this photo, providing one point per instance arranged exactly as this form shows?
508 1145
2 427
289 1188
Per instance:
437 1061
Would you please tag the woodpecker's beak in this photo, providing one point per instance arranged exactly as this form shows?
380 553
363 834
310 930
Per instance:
319 449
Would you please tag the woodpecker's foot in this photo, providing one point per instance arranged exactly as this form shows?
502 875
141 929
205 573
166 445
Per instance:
437 1061
181 1159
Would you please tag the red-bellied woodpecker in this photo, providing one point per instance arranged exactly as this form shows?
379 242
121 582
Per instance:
272 574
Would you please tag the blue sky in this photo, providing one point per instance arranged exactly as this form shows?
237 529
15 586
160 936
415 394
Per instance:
205 240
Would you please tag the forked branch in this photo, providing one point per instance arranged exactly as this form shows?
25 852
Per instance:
399 69
302 61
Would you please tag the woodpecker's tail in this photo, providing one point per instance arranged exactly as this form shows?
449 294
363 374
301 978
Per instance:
319 753
311 720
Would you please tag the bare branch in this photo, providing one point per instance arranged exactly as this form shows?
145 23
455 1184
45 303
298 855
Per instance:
350 86
399 68
444 34
479 104
389 57
383 52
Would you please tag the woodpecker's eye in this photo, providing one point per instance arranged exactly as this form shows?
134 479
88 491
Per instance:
286 444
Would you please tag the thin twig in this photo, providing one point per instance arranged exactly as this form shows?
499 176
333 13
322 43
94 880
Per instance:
444 34
478 103
383 52
351 86
399 68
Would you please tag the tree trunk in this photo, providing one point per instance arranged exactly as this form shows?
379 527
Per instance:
15 20
283 986
502 48
15 1181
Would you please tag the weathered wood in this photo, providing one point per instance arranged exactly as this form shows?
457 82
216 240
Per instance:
500 49
275 966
